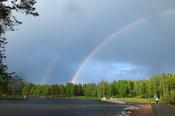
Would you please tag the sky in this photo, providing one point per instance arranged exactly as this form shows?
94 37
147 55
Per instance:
86 41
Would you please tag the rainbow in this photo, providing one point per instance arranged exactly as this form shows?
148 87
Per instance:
113 36
49 70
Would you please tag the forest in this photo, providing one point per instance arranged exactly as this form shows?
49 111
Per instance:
163 84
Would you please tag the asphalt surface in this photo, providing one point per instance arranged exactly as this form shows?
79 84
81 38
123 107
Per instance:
163 109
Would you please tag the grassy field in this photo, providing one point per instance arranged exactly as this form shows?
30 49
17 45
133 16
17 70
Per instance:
13 97
79 97
84 97
135 99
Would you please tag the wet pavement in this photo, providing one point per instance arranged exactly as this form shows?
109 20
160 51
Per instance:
163 109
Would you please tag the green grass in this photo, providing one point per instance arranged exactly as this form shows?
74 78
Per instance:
81 98
136 99
12 97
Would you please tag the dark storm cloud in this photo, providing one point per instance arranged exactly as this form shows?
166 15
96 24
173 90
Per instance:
52 46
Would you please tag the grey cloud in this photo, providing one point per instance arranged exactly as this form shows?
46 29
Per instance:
70 30
149 44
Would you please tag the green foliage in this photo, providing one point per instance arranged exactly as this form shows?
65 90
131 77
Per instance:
90 90
122 88
163 85
27 89
103 89
70 89
62 90
15 85
172 100
8 22
7 10
3 87
112 89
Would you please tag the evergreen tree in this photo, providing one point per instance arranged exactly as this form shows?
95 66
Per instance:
8 21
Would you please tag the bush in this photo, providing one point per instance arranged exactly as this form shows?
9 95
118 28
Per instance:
166 99
169 98
173 97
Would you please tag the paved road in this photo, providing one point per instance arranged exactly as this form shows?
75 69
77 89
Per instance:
164 109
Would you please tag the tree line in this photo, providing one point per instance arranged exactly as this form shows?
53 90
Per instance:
163 84
8 21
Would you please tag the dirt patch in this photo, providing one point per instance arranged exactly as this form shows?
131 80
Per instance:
146 110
